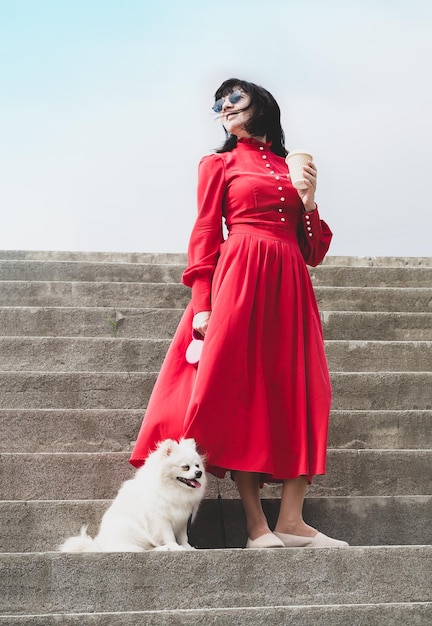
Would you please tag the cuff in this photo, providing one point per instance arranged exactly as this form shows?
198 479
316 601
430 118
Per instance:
201 290
311 223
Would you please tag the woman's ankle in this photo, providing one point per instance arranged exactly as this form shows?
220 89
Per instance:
298 527
257 530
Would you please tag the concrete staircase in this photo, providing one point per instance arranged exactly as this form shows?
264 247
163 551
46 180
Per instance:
74 383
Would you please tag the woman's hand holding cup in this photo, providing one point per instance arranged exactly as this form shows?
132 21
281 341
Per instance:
303 175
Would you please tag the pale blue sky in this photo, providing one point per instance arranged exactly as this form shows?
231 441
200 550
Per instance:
105 111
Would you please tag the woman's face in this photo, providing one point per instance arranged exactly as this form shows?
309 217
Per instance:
233 115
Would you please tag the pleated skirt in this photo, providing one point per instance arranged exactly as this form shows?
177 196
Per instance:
259 400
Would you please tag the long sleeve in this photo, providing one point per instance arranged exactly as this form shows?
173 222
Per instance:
314 237
207 236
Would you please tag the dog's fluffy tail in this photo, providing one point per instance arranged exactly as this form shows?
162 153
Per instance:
81 543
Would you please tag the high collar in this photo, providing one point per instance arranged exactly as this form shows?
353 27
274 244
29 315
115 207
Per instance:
254 143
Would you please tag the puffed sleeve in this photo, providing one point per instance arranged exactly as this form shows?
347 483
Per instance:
207 234
314 237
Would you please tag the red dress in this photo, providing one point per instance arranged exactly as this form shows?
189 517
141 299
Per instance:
260 397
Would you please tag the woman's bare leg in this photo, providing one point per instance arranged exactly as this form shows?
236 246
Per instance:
290 520
248 485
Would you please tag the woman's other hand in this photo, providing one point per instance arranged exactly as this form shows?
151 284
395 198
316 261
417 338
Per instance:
200 322
308 195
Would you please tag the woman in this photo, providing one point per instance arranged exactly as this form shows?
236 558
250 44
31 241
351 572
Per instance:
259 401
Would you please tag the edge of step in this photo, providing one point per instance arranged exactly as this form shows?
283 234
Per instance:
133 581
42 525
384 614
181 257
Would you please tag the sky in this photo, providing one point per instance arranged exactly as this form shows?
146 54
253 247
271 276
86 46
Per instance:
105 112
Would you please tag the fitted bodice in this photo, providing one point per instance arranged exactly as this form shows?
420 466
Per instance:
250 188
258 190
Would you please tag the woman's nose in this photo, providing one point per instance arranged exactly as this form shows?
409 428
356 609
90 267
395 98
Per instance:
227 104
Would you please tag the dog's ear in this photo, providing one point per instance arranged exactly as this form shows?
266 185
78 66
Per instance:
166 447
190 442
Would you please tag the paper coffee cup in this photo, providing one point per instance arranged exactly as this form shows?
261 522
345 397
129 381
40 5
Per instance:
295 161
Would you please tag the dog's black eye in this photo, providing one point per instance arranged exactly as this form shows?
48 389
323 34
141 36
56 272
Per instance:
185 468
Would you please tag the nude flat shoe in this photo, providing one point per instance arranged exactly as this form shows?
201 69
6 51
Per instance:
318 541
269 540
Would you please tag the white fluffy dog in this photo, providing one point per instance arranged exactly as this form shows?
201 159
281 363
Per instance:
151 510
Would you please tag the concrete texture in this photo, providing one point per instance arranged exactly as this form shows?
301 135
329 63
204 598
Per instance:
93 294
67 425
46 390
390 299
82 354
161 323
373 356
83 271
104 430
90 354
99 475
359 391
99 257
371 276
378 261
381 326
382 390
380 429
161 295
88 322
53 583
94 272
397 614
42 525
181 258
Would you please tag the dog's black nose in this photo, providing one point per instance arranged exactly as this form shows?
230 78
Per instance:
198 474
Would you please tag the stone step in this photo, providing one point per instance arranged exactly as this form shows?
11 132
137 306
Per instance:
84 354
170 258
380 429
72 583
41 525
173 295
370 356
98 475
378 325
378 261
103 430
162 323
83 271
62 430
181 258
333 276
110 295
131 390
56 458
81 354
92 322
384 614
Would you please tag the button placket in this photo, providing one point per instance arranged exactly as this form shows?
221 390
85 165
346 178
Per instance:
277 178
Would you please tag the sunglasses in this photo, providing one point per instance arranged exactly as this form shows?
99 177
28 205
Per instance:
233 97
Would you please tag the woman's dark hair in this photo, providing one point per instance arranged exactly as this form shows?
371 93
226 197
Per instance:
265 118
